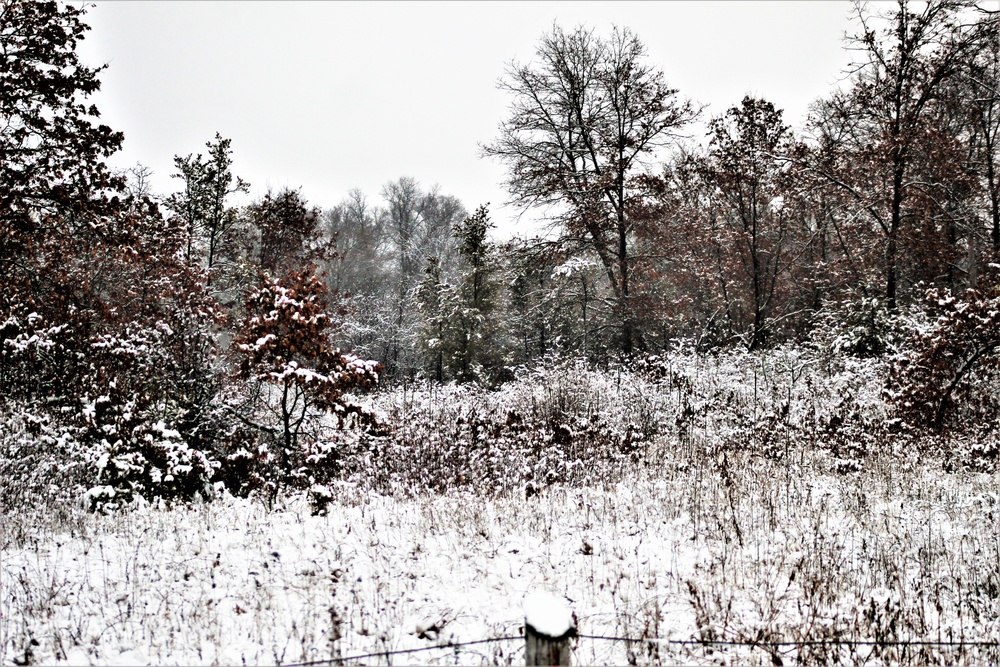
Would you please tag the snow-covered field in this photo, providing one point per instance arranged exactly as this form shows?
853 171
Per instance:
892 556
696 542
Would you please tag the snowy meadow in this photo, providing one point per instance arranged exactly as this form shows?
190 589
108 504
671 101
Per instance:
739 508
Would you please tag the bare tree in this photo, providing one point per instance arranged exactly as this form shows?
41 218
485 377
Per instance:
403 198
403 224
983 86
418 225
584 118
356 230
440 213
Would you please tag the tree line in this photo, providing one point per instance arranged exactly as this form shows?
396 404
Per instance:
754 236
746 237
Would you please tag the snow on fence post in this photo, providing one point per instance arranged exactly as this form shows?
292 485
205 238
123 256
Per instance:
549 624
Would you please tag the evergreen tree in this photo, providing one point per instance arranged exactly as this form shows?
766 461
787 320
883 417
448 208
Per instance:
461 331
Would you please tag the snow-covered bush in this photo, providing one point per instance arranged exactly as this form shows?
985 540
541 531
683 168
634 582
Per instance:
52 457
864 328
124 425
948 372
565 423
146 412
43 462
288 375
124 373
769 404
106 327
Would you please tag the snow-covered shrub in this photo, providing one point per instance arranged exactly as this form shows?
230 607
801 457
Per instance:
320 497
850 433
772 403
154 462
129 417
561 424
567 422
145 414
43 462
948 372
973 448
106 336
246 462
862 328
289 375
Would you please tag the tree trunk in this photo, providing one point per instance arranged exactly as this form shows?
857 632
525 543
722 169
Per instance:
895 221
211 258
994 190
628 325
758 292
286 424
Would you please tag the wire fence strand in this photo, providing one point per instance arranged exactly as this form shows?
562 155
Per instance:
379 654
669 642
803 642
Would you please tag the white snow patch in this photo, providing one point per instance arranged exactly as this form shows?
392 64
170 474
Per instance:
547 613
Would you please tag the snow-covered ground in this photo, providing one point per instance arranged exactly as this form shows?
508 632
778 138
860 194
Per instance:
914 556
743 514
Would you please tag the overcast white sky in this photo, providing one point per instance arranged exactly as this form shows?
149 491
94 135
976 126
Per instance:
329 96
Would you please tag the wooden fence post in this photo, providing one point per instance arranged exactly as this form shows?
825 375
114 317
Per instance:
548 626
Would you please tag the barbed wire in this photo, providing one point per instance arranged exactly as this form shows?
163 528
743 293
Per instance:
802 642
378 654
674 642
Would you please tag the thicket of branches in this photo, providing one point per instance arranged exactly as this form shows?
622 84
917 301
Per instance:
161 345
